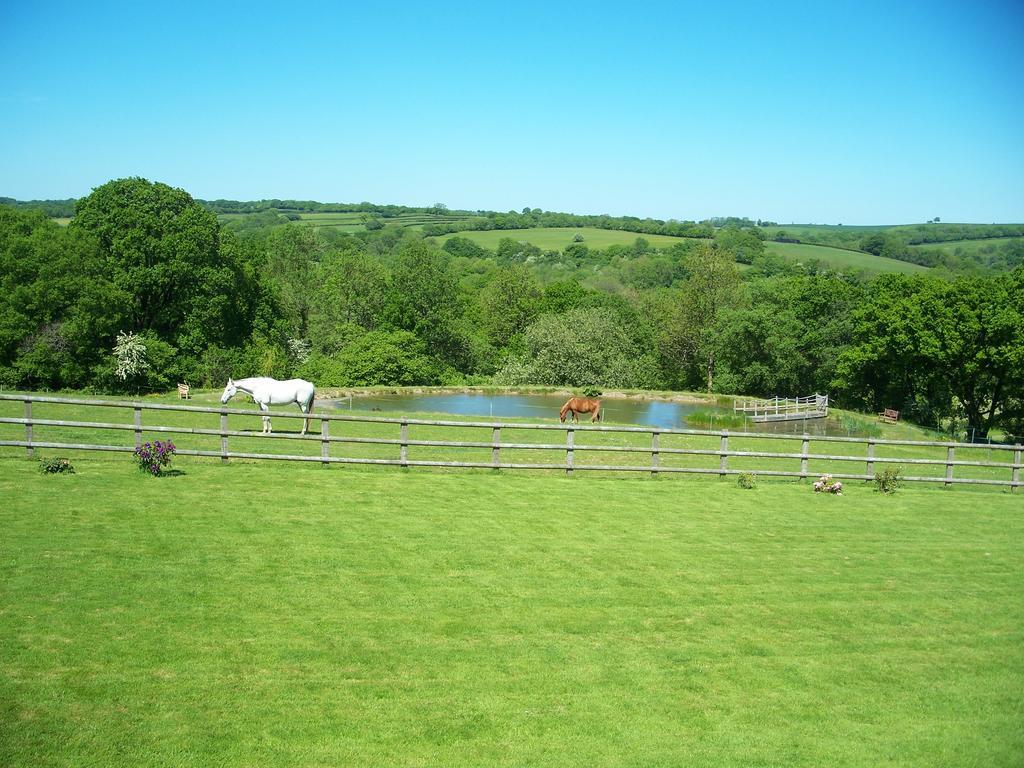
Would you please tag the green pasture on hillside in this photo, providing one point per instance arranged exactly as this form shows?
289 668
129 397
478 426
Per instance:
353 222
969 246
838 258
287 614
557 238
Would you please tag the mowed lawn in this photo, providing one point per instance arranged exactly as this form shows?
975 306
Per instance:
287 614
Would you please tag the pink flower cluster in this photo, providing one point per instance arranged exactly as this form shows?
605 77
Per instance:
824 484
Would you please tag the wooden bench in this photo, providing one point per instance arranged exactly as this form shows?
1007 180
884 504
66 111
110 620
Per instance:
889 415
183 392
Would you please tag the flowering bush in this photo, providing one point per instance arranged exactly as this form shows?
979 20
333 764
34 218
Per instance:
747 480
889 479
154 457
56 467
825 484
130 354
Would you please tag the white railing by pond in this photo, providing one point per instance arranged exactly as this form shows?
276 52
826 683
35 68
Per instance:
653 449
783 408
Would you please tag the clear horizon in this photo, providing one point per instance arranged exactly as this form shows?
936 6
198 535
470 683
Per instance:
860 115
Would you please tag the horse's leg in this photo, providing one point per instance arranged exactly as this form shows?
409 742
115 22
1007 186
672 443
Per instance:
266 419
306 409
597 415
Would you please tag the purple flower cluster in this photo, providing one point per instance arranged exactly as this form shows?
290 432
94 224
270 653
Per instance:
826 485
154 457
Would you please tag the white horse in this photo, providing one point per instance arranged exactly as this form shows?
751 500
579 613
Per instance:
266 392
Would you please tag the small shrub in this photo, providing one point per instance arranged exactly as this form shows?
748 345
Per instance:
154 457
888 479
825 484
747 480
56 467
591 392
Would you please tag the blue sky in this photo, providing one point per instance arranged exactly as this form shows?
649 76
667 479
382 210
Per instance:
797 112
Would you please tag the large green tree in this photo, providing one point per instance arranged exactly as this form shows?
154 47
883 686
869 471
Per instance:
934 348
293 254
352 288
759 352
509 303
581 348
426 299
892 362
59 310
982 345
713 287
162 250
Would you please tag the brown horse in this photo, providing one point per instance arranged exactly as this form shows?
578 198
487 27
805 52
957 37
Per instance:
577 405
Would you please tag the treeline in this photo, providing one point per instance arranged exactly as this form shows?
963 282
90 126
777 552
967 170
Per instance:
391 307
55 209
903 243
893 242
312 206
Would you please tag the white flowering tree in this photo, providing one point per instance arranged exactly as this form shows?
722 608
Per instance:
130 355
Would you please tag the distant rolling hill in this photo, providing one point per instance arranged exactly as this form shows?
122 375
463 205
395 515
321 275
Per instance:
970 245
558 238
838 258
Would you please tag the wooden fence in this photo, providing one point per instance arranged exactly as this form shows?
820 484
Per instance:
652 447
783 408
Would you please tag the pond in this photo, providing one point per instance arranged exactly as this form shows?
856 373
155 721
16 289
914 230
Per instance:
655 413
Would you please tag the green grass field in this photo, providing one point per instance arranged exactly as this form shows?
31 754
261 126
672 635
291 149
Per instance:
278 613
353 221
969 246
271 614
837 258
557 238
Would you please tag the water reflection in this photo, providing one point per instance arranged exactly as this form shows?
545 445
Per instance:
518 407
655 413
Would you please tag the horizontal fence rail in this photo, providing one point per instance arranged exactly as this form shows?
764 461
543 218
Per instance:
655 449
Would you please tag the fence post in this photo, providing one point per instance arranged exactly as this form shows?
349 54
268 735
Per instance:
325 442
949 466
138 427
724 456
404 439
1015 476
569 442
871 459
495 446
29 450
805 448
223 437
654 453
